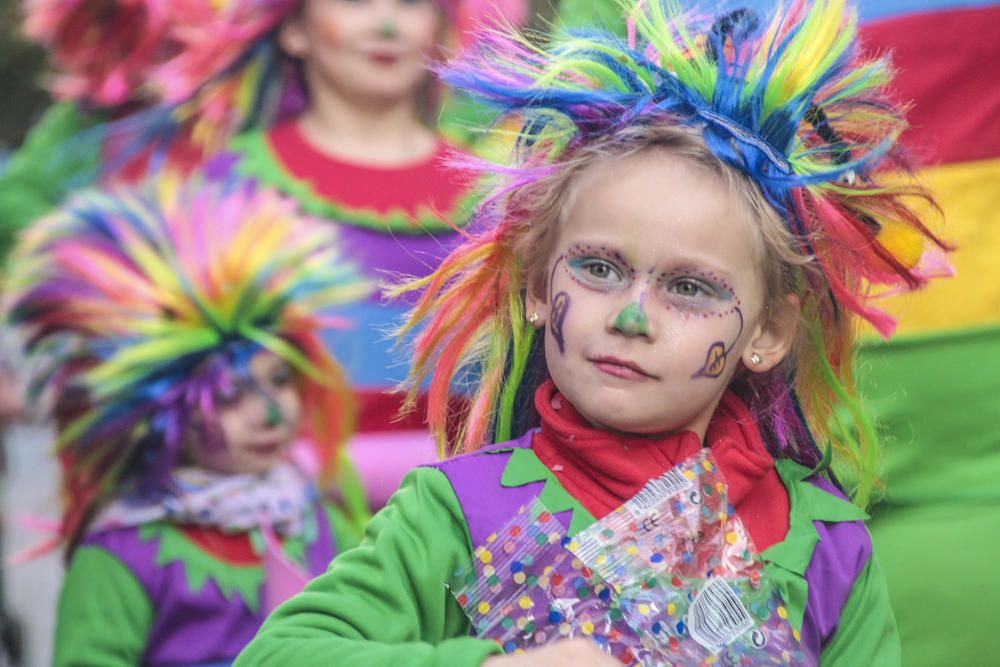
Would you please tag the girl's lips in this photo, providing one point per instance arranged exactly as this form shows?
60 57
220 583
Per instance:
383 58
265 448
621 369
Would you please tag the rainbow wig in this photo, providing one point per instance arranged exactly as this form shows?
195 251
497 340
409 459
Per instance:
195 71
791 107
146 303
102 52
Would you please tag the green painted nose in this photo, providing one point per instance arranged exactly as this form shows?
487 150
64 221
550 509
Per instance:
632 321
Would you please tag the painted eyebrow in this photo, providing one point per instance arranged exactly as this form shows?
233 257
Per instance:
583 249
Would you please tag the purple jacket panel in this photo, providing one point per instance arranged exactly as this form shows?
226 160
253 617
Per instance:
195 627
843 551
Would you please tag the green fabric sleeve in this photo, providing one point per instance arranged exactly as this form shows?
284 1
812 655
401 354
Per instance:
104 614
384 602
38 175
866 634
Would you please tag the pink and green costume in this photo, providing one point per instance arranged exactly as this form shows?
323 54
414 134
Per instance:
391 222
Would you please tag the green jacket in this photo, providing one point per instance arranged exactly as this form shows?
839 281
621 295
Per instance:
385 602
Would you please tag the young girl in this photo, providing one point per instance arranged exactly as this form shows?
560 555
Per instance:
364 151
679 254
178 325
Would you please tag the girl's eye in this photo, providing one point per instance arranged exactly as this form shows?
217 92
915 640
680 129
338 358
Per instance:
691 288
281 377
229 394
596 269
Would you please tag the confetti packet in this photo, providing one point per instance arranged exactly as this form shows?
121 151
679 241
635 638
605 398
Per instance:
687 575
525 590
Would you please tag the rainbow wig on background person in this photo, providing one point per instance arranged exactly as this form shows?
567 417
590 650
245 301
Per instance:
142 307
788 110
201 70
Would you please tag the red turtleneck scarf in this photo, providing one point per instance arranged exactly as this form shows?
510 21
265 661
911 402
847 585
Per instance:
602 469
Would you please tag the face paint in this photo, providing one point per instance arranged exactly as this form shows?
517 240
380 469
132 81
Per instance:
274 416
560 306
632 320
715 360
387 29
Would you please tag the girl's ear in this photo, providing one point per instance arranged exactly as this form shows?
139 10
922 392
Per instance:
292 38
536 309
774 336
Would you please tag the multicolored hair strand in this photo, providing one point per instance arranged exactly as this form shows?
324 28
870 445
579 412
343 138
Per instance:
791 106
146 303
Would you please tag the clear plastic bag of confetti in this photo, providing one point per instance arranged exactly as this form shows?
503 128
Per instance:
686 573
525 590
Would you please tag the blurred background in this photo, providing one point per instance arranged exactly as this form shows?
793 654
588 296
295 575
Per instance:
935 388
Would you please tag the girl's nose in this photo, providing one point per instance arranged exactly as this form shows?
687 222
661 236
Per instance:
631 320
271 416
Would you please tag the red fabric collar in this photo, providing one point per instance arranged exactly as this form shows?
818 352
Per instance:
602 469
427 185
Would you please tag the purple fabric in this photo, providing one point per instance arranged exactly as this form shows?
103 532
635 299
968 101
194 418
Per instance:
843 551
196 627
487 504
383 256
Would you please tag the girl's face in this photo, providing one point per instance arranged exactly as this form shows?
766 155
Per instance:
370 51
259 419
653 296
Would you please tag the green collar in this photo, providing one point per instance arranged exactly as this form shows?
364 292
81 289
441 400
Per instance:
524 467
258 161
786 561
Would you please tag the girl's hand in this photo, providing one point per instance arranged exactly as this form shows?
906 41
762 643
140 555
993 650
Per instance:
566 653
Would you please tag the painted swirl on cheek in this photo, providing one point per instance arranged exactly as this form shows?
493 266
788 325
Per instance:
560 306
718 353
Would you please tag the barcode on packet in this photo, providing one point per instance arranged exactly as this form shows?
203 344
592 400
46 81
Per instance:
669 484
716 616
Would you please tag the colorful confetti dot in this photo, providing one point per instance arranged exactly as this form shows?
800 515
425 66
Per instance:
484 607
587 628
485 556
782 612
524 602
519 578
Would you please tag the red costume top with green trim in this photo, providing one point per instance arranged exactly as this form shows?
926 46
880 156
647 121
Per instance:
385 602
399 221
176 588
